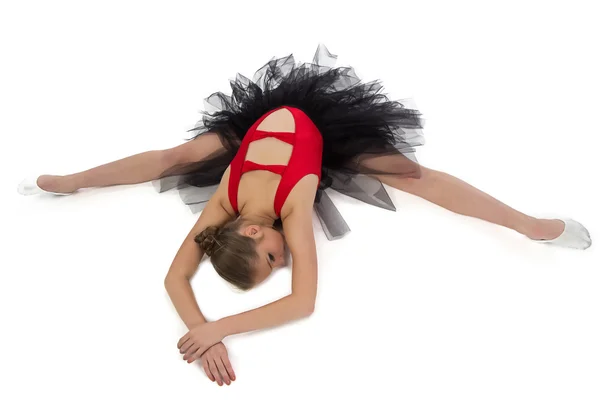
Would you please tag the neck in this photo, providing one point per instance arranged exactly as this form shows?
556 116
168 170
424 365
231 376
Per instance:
257 219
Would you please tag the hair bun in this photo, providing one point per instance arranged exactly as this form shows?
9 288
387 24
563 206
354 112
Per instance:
207 239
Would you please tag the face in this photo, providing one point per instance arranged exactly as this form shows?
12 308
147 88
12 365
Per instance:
271 249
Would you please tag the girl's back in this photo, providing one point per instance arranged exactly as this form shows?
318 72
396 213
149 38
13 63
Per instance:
258 179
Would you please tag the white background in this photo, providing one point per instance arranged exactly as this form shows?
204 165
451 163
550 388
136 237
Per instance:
417 304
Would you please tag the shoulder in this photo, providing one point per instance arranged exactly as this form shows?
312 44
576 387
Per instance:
301 197
217 211
221 195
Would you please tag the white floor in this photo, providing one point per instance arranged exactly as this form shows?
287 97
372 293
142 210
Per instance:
417 304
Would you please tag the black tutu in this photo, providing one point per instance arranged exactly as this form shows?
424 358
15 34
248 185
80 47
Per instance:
364 133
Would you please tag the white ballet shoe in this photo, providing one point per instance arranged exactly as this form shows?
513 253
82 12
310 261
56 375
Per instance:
29 186
574 236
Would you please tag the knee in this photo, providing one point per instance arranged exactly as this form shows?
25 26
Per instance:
425 179
407 184
418 175
426 173
414 183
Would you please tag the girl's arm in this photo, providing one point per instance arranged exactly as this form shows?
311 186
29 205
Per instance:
188 257
298 230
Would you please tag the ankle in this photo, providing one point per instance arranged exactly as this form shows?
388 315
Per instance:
73 181
525 225
545 229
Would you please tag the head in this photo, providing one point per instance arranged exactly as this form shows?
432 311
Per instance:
243 253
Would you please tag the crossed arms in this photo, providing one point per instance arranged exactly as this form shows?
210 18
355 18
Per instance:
298 230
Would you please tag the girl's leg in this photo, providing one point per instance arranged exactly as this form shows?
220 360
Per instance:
142 167
458 196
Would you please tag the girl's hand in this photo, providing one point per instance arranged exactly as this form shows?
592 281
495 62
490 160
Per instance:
216 364
199 339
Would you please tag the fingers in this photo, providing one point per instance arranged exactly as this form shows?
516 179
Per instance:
207 370
193 349
196 355
215 361
228 367
223 371
183 339
186 346
215 372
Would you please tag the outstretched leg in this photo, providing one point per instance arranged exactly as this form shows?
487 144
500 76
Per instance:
138 168
458 196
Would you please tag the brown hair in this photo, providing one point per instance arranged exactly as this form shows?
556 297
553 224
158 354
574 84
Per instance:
231 253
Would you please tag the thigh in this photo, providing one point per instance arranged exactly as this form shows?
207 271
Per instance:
204 156
198 149
390 167
406 184
397 170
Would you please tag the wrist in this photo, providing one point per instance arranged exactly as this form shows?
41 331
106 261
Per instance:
194 322
224 327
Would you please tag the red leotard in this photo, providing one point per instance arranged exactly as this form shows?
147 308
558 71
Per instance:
306 157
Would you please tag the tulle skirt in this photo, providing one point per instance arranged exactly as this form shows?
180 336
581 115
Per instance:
365 134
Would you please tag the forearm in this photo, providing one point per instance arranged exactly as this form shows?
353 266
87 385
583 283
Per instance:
183 299
279 312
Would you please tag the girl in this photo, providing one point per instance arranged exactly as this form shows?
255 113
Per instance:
258 167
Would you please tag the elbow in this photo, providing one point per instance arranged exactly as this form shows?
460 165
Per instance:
167 283
172 280
307 308
310 310
304 304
